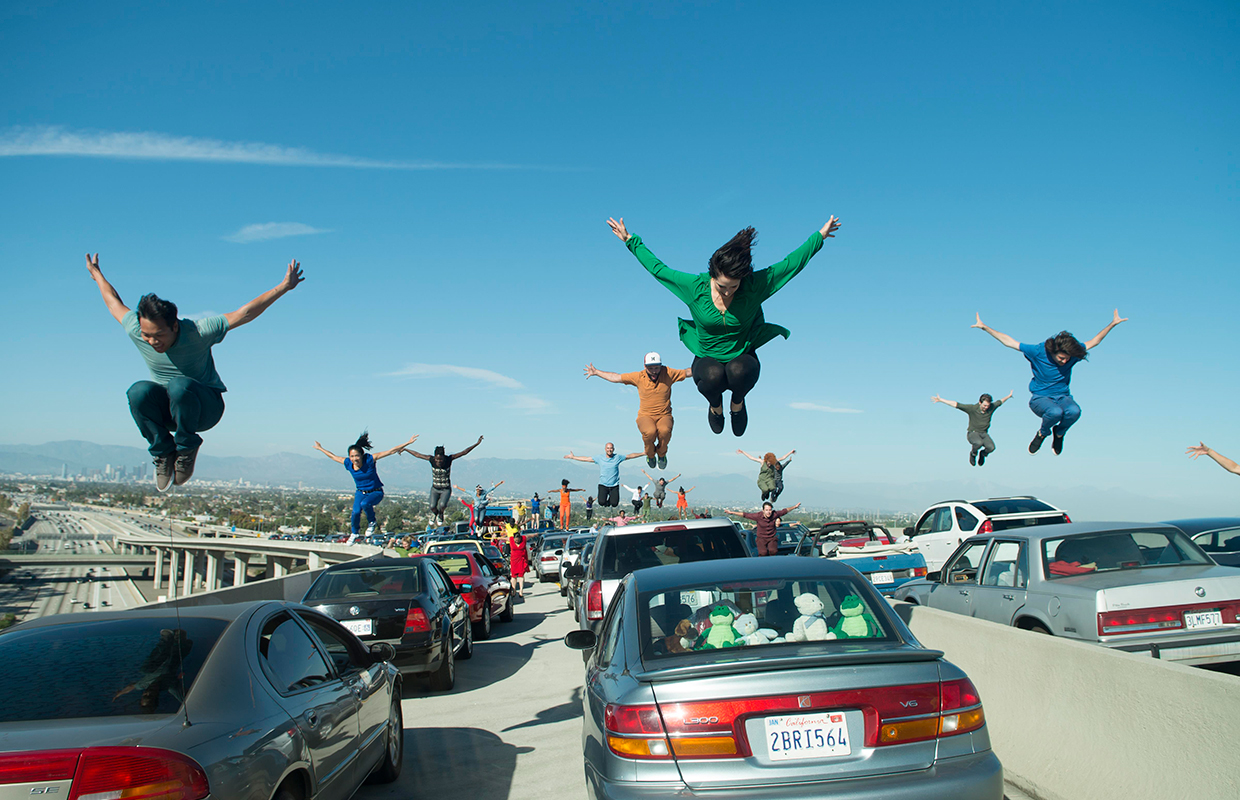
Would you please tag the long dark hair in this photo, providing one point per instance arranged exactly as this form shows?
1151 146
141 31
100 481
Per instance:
733 260
362 444
1064 342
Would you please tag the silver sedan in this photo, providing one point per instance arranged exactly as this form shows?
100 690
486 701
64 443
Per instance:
1138 587
248 702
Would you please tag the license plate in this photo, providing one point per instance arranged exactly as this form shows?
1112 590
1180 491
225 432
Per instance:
882 577
1203 619
804 736
359 627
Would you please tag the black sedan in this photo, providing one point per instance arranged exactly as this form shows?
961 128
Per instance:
251 701
1218 536
409 603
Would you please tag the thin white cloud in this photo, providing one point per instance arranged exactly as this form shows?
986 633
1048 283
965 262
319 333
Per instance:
529 403
272 230
54 140
441 370
828 409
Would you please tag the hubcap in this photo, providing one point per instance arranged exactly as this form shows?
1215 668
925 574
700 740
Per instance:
486 620
394 733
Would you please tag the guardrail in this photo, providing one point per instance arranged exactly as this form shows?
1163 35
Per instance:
1074 720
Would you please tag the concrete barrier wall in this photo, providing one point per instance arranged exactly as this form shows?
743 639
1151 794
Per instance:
1073 721
289 587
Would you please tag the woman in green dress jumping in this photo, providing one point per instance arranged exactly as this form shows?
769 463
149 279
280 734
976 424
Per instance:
725 303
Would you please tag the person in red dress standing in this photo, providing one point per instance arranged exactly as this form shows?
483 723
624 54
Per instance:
518 562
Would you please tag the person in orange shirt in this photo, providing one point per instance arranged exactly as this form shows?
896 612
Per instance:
654 411
566 499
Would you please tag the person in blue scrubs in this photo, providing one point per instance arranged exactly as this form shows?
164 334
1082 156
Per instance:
361 465
1052 362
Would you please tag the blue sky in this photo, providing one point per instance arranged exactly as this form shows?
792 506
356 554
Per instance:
444 173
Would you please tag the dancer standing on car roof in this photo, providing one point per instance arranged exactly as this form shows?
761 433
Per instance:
608 473
566 502
441 475
682 502
979 424
361 465
767 520
725 304
1220 459
1052 362
654 410
535 511
185 395
771 473
660 487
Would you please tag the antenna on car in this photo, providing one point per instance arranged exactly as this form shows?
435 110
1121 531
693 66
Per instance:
179 638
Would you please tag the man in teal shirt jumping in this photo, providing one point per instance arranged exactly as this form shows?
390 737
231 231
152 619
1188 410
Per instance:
185 394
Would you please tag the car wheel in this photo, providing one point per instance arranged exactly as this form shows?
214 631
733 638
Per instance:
506 614
484 628
394 751
467 647
289 790
444 678
563 588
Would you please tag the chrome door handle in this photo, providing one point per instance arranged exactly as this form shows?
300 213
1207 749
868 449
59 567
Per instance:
1009 597
963 592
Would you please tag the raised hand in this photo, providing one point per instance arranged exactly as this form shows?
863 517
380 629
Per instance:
92 265
318 446
1197 450
292 277
1117 319
590 370
828 230
618 228
979 323
936 399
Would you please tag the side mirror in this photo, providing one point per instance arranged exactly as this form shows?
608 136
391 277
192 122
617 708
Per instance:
559 552
908 532
574 571
382 651
581 640
933 577
465 587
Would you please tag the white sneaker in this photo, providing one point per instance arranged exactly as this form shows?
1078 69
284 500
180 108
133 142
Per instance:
370 529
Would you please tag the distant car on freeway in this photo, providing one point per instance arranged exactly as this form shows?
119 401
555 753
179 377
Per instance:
453 546
787 537
409 603
1218 536
1137 587
547 557
256 701
486 589
572 553
868 548
844 703
943 526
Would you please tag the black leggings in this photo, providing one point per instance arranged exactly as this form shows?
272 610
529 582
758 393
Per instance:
738 376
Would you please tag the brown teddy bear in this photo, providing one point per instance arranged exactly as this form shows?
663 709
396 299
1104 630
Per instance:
676 643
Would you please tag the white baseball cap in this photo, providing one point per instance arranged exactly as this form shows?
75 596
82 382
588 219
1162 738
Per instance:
653 360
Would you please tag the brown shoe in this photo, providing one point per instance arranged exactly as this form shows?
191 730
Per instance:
163 472
185 466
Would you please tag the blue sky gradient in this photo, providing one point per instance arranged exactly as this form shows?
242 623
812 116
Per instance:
444 174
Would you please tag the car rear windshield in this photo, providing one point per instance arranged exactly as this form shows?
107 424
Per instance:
626 552
765 613
453 563
553 542
1109 551
364 582
109 668
1011 505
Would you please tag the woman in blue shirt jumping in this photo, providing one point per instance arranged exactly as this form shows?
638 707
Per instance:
361 465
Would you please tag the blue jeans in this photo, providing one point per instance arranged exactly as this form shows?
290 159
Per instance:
365 501
171 416
1057 413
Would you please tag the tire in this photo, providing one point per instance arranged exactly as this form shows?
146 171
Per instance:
563 590
506 614
289 790
394 746
483 629
444 678
467 647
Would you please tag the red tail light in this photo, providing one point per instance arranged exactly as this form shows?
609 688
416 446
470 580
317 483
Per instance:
594 600
1067 519
102 773
1167 618
919 572
661 528
987 527
636 732
416 621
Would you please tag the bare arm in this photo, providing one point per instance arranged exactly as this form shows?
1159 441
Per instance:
612 377
632 456
673 478
751 458
416 454
1009 397
250 311
690 489
396 449
467 450
1102 334
495 486
938 399
111 299
584 459
788 456
647 474
1223 461
328 453
1007 341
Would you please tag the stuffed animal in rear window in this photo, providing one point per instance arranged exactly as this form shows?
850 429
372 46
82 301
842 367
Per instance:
680 641
720 634
855 622
811 626
747 626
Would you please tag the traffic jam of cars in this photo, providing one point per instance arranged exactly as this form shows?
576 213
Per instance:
706 669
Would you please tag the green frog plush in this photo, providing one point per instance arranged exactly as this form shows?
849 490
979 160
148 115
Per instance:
855 622
720 634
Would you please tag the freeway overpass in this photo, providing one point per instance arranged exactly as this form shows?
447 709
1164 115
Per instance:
20 561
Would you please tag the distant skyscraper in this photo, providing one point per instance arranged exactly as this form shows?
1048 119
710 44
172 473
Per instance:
64 472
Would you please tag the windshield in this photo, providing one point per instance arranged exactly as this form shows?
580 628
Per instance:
577 543
553 543
453 547
757 613
362 583
626 552
1105 552
103 669
454 564
790 534
1011 505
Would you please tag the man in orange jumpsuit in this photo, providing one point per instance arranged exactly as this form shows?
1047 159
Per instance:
654 412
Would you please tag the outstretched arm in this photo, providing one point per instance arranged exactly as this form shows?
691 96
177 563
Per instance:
1007 341
495 486
585 459
751 458
110 298
671 479
632 456
681 284
938 399
611 377
396 449
1223 461
328 453
416 454
690 489
466 451
1102 334
788 456
767 282
250 311
647 474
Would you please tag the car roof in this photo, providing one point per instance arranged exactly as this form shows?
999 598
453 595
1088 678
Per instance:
1040 532
1203 524
373 561
668 525
657 579
227 612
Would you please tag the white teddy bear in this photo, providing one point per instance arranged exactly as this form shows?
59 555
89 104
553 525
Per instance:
747 626
811 626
